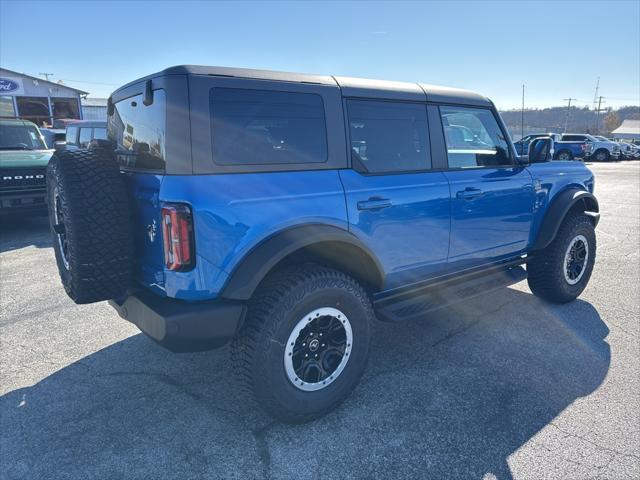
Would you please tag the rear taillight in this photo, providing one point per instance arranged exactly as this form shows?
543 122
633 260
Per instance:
177 231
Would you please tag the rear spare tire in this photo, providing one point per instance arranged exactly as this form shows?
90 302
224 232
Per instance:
90 221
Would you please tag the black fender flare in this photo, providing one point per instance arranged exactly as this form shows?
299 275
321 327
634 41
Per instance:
252 269
558 210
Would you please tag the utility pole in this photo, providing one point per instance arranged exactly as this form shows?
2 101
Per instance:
598 110
595 95
46 75
566 120
595 98
522 115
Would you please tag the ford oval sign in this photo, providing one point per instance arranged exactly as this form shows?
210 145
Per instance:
7 85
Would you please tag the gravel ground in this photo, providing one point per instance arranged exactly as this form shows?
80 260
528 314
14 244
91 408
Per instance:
499 387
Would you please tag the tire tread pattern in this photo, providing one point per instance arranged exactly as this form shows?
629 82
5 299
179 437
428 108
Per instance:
544 273
279 293
98 224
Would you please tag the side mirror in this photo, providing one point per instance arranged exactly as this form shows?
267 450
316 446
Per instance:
59 145
541 150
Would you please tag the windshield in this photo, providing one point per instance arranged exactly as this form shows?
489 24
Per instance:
20 137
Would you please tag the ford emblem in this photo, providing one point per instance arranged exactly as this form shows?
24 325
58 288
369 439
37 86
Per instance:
7 85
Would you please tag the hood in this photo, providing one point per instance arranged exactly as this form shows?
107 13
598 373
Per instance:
24 158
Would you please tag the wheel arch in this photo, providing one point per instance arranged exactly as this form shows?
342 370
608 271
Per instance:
328 245
566 202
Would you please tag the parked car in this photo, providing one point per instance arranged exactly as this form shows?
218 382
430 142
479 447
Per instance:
564 150
23 162
635 151
80 134
602 150
284 212
626 149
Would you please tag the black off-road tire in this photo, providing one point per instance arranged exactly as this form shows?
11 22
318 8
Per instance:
546 271
258 351
90 221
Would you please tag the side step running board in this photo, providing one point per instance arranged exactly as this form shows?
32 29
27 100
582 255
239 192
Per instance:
441 296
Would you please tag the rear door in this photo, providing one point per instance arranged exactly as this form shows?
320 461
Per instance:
492 197
395 203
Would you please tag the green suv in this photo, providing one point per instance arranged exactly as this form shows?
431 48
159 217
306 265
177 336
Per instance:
23 163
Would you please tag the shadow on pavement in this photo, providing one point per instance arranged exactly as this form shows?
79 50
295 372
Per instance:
450 397
20 232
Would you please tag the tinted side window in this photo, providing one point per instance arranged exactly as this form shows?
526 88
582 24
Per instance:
573 138
388 136
85 136
263 127
474 138
100 133
139 132
72 135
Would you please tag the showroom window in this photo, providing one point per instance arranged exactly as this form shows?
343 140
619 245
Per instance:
35 109
65 108
6 106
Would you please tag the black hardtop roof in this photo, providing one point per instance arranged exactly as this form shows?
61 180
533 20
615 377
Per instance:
351 87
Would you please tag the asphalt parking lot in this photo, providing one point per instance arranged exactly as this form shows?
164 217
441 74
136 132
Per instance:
495 388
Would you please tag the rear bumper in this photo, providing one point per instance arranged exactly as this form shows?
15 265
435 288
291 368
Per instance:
182 326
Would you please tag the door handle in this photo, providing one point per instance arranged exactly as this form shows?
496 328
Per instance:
374 203
469 193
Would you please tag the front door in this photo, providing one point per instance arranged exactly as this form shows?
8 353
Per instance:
396 205
492 197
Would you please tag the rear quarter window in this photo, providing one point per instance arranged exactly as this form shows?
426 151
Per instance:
139 132
265 127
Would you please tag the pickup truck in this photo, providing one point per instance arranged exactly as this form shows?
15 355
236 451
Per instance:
601 150
23 162
284 213
564 150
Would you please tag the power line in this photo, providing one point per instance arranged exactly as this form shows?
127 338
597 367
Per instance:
90 82
47 75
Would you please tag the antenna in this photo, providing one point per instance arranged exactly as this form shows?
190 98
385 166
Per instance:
46 75
566 118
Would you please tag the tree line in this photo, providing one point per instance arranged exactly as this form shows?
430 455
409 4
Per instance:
579 120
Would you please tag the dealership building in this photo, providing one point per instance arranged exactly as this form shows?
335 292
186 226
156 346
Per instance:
37 100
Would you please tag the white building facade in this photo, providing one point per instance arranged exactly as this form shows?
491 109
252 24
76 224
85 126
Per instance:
37 100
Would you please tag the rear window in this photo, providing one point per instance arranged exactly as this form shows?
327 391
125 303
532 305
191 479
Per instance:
72 135
263 127
139 132
100 133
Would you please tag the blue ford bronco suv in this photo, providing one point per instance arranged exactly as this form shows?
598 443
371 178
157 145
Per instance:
284 212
